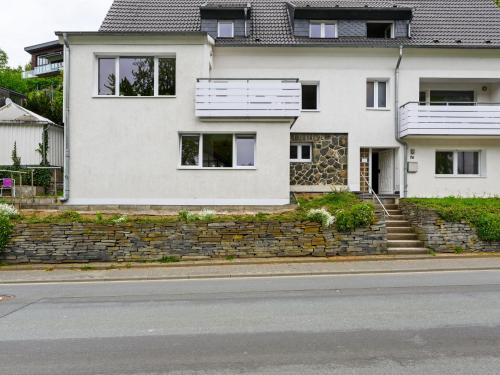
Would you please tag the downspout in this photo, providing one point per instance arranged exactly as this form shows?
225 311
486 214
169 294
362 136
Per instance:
396 123
67 86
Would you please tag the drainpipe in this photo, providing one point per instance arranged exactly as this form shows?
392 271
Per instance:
396 123
67 86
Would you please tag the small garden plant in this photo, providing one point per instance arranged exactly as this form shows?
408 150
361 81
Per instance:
7 214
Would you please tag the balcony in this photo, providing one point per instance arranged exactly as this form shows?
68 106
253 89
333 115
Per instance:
248 98
44 70
458 119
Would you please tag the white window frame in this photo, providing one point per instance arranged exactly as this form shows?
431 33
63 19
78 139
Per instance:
393 27
322 24
375 94
225 22
299 152
200 152
156 75
311 83
455 164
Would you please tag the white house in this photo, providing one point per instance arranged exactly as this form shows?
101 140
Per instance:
193 102
25 128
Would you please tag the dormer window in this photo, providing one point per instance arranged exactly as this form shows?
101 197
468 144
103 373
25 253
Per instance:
225 29
322 29
380 30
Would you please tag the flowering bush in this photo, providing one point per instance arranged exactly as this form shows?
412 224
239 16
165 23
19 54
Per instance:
119 220
322 216
207 214
8 211
204 215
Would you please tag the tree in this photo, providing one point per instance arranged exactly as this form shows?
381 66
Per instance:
16 160
4 59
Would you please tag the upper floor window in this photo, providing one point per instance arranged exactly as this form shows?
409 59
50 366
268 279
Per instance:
457 163
376 94
310 96
322 29
225 29
380 30
136 76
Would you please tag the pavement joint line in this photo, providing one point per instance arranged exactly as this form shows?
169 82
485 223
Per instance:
243 276
123 265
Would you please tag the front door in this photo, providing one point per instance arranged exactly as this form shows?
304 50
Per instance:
386 174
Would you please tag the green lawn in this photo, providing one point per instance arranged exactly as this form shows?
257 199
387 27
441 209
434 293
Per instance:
483 213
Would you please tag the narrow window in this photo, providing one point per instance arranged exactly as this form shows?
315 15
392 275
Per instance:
166 76
225 29
380 30
136 76
301 153
245 150
218 150
107 76
309 97
422 97
376 94
444 162
468 162
190 150
321 29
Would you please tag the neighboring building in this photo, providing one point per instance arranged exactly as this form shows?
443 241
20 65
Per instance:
16 97
46 59
26 128
189 102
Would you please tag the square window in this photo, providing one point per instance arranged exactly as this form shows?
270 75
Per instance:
300 153
218 150
136 76
330 30
245 150
380 30
315 30
309 96
444 162
225 29
190 150
376 94
468 162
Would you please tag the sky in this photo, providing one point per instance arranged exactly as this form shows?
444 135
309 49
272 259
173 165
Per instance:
28 22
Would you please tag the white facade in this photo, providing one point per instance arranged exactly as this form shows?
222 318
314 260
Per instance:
125 150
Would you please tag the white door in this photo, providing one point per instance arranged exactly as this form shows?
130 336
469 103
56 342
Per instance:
386 176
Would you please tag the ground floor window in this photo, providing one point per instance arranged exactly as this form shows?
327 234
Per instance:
458 163
301 152
217 150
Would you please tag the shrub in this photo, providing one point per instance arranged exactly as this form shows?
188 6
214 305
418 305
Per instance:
187 216
488 227
8 211
70 216
322 216
359 215
207 215
119 219
6 228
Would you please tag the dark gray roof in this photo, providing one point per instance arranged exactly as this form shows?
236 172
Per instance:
436 23
42 46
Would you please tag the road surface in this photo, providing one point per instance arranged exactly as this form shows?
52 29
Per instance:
409 323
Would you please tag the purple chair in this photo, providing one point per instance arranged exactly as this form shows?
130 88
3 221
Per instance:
7 184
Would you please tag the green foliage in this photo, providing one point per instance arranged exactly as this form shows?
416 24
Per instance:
6 228
483 213
169 259
459 250
47 102
4 59
16 160
70 215
42 177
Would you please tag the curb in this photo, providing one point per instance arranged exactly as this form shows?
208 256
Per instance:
244 276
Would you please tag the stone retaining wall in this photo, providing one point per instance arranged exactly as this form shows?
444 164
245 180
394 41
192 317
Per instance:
87 242
441 235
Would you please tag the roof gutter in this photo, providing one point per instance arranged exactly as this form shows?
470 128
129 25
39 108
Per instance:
396 123
67 87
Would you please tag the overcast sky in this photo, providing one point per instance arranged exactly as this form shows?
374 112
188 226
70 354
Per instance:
27 22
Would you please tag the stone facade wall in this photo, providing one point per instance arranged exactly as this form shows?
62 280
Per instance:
329 160
128 242
444 236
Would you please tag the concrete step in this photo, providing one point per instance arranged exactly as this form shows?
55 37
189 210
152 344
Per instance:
407 250
396 230
391 206
397 217
396 223
395 212
402 236
405 243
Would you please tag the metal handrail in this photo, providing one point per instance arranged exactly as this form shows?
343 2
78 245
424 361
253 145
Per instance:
450 104
370 191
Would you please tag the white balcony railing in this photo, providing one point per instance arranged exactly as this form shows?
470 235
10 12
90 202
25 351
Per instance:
248 98
449 119
44 69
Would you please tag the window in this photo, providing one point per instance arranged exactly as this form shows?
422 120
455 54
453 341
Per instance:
217 150
380 30
451 97
422 97
321 29
300 152
376 94
137 76
225 29
310 96
457 163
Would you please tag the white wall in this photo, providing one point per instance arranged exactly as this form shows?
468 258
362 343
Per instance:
126 150
425 183
55 153
27 138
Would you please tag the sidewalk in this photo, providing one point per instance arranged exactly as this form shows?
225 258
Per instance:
246 268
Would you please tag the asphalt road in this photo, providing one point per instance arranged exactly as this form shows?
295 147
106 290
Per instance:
417 323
